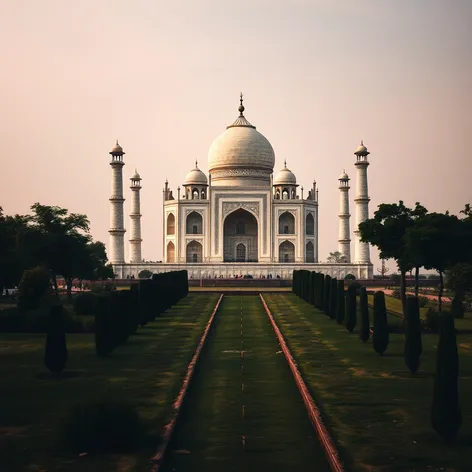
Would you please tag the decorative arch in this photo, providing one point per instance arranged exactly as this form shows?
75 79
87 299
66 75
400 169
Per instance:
310 252
310 224
285 194
349 277
194 223
286 223
171 224
194 253
241 252
170 252
195 194
203 195
287 252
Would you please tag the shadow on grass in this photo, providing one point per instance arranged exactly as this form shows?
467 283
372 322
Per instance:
68 374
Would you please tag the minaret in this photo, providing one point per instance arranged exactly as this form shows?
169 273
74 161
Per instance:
135 220
344 246
362 253
117 229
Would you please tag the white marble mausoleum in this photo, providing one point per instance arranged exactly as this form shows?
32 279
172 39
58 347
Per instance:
241 219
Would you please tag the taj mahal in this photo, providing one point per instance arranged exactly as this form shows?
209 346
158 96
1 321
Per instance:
241 219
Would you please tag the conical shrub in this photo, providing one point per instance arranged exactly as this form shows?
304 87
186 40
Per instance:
341 303
55 356
333 298
364 329
326 290
413 343
380 338
351 308
445 412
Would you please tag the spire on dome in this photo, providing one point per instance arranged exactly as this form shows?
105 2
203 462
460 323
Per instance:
196 163
285 163
241 120
241 106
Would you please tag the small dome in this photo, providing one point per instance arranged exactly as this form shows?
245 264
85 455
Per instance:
196 177
285 177
117 149
136 176
344 176
361 150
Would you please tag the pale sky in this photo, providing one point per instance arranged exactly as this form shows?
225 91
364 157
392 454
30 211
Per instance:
164 78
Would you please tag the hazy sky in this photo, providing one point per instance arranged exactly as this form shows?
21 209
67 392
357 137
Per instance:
164 78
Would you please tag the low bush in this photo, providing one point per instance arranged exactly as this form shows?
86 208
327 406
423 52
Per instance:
396 294
34 285
432 320
85 303
102 426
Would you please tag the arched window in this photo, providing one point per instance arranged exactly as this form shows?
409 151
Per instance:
195 194
277 194
310 224
194 223
240 253
287 252
203 195
286 223
310 252
194 252
170 252
284 194
171 224
293 194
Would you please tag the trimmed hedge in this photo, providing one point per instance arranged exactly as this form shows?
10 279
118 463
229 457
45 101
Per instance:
326 290
364 329
380 337
341 303
351 308
333 298
413 343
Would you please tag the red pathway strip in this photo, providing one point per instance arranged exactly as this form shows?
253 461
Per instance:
314 413
169 428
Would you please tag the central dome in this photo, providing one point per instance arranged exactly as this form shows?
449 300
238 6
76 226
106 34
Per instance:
241 152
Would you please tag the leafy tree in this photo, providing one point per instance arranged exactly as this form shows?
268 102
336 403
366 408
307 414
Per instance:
445 411
380 338
433 242
364 330
34 285
146 274
386 231
336 257
413 343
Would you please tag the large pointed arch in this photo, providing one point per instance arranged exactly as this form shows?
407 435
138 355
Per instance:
310 252
194 253
286 223
240 227
310 224
194 223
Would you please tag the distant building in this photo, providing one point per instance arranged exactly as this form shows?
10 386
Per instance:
241 219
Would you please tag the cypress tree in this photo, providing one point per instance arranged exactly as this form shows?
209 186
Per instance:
445 411
413 344
341 303
103 335
364 329
351 308
294 282
321 291
307 285
55 356
326 289
311 297
380 338
333 298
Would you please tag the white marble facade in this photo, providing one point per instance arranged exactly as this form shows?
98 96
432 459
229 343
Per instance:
243 220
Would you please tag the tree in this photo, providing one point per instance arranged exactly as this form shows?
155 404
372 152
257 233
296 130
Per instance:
34 285
386 231
333 297
380 337
434 242
55 356
146 274
336 257
383 271
364 330
341 303
351 308
445 411
413 343
326 290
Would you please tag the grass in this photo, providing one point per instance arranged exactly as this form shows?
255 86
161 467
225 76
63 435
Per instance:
378 412
278 434
395 305
147 371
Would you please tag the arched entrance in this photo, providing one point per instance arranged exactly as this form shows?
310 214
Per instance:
310 252
170 252
240 237
194 252
287 252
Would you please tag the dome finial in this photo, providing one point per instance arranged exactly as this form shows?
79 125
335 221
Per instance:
285 163
196 163
241 106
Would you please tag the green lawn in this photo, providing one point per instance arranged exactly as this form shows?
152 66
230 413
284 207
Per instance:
147 371
378 412
278 434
